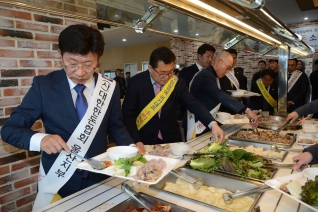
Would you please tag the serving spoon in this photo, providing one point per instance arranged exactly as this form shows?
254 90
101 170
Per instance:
94 163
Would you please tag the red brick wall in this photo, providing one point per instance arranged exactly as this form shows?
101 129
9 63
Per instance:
28 44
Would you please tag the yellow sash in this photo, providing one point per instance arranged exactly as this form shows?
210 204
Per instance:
266 94
154 106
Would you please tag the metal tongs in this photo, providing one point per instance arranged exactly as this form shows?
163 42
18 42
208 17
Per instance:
196 182
198 155
278 165
228 197
138 198
277 149
94 163
276 132
255 129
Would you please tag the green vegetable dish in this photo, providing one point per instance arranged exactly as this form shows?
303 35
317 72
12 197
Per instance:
239 162
122 166
309 193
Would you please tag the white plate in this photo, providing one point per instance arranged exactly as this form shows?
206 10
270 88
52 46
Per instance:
170 164
232 120
247 94
276 183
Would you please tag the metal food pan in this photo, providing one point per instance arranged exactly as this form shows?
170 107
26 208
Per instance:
211 179
130 204
234 137
276 126
257 145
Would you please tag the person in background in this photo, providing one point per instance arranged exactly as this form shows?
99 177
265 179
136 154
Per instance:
206 88
205 54
127 79
261 67
121 81
297 86
150 106
269 91
60 99
314 84
233 80
310 154
273 65
176 72
300 66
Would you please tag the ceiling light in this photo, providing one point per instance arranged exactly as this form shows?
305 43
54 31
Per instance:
175 30
124 39
197 34
306 18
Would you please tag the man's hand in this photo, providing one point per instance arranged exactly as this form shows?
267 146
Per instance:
253 117
292 117
141 148
52 144
289 103
301 161
218 133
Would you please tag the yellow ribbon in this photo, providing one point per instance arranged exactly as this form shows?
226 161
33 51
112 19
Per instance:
154 106
55 198
266 94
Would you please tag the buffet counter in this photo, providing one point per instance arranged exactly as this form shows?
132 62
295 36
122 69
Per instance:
107 194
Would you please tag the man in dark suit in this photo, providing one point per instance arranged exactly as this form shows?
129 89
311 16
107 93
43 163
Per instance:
121 82
297 86
54 99
227 84
162 127
261 67
314 84
205 87
205 55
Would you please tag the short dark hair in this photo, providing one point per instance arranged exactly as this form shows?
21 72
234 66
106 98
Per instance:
293 59
231 51
273 60
261 61
128 72
81 39
269 72
118 69
316 62
300 61
205 47
163 54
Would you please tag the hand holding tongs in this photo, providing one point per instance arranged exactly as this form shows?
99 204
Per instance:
196 182
255 129
138 198
276 132
228 197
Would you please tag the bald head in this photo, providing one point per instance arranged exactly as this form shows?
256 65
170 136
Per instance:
222 63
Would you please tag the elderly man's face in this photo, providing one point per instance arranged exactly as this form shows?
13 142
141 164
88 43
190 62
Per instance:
223 65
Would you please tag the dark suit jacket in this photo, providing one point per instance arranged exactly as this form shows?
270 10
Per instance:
50 99
204 88
187 73
256 76
226 85
140 92
314 87
259 102
122 87
298 93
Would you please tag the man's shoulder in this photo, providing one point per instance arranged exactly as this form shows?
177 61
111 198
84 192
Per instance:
191 67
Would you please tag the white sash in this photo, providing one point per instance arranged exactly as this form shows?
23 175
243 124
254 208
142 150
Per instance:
79 142
194 128
293 79
230 75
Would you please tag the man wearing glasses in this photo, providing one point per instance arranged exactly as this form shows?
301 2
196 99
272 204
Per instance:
206 87
151 101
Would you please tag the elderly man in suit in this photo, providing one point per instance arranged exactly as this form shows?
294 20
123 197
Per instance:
206 87
78 107
150 105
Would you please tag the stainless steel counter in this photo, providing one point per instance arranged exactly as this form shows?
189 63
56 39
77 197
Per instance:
105 195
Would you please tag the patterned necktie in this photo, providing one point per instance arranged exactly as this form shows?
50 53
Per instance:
81 107
159 112
81 103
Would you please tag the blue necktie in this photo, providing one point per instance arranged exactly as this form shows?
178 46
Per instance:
81 107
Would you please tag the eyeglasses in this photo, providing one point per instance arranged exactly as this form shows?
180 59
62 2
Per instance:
228 68
75 67
163 74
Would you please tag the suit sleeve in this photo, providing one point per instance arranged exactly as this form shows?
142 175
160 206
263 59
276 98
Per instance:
309 108
17 129
116 128
185 76
255 99
130 111
209 86
194 105
302 91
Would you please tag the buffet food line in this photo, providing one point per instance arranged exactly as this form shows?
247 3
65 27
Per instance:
107 194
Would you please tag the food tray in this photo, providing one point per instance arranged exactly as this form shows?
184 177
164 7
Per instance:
232 120
130 204
276 183
257 145
170 164
306 136
234 137
211 179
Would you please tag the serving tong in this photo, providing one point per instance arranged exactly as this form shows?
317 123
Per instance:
228 197
94 163
276 132
277 149
138 198
196 182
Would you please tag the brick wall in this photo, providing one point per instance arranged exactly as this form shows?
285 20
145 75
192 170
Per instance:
28 44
